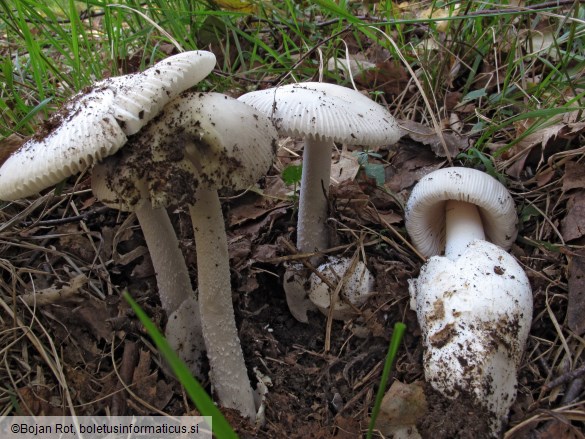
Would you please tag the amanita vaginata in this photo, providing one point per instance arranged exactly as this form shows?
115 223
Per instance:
474 304
321 114
200 143
96 123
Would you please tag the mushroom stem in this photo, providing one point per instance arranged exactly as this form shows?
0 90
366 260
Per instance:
168 262
176 294
311 233
226 359
463 226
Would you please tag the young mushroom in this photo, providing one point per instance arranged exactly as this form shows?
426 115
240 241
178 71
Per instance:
321 114
96 123
353 284
199 144
474 304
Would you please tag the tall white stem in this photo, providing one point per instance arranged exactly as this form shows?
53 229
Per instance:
176 294
168 261
463 226
228 369
312 232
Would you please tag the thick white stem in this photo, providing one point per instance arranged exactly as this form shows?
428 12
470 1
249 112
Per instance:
463 226
312 232
176 294
228 369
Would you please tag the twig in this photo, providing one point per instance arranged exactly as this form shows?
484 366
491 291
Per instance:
54 295
564 378
66 220
305 262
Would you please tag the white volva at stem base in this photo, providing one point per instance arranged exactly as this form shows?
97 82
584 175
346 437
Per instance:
228 369
463 226
176 294
312 233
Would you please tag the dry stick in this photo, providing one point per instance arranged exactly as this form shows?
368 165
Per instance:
306 263
69 219
334 296
297 256
129 361
564 378
53 295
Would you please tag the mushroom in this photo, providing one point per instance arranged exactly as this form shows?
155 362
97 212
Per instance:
357 284
96 123
321 114
474 304
199 144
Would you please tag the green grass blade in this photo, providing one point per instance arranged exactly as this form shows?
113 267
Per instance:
397 335
221 427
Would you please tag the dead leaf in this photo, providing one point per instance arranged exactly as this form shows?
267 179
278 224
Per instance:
574 177
576 305
573 225
147 386
388 76
411 162
428 136
35 402
356 64
566 129
345 168
10 144
557 428
74 240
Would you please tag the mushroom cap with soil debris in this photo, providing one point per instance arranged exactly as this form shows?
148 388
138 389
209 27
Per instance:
474 304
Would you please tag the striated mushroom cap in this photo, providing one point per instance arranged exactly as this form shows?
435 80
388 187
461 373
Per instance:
95 123
425 210
325 111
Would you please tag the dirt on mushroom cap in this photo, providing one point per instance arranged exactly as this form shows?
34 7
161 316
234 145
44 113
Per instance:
199 140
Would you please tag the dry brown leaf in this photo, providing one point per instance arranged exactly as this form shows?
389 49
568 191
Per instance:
10 144
573 225
75 241
576 305
574 177
346 167
147 386
557 429
566 129
387 76
428 136
410 163
34 401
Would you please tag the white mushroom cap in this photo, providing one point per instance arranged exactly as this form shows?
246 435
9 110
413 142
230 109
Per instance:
425 210
95 123
199 140
325 111
356 289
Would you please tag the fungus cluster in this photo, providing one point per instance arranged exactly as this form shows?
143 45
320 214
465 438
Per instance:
96 123
474 304
176 149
